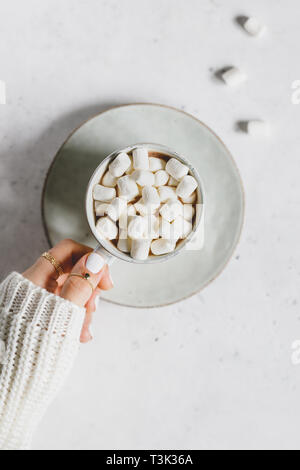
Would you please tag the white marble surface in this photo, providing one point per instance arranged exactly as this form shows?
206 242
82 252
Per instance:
213 371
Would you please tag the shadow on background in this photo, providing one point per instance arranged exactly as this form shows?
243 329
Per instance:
23 173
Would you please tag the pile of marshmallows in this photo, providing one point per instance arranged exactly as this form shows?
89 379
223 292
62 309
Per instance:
146 204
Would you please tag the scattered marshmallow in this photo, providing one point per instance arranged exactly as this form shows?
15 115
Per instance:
128 188
176 169
172 181
107 228
258 128
109 180
234 76
140 249
144 177
140 159
161 178
162 247
150 196
171 210
186 186
156 164
166 193
116 208
254 27
137 228
101 208
103 194
120 165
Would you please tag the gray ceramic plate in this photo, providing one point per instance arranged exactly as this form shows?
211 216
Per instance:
179 277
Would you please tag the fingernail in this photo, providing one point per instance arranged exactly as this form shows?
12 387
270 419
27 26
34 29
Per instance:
97 301
95 263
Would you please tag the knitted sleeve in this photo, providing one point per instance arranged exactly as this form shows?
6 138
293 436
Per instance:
39 338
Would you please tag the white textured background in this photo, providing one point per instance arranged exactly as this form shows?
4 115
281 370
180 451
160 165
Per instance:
214 371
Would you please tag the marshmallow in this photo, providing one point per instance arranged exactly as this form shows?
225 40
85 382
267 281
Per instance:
254 27
171 210
233 76
123 221
116 208
137 228
156 164
166 193
126 216
191 199
124 244
128 188
140 249
130 169
162 247
145 210
103 194
188 212
181 228
140 159
109 180
150 196
153 226
172 181
258 128
161 178
186 186
101 208
164 228
176 169
119 165
107 228
143 177
131 210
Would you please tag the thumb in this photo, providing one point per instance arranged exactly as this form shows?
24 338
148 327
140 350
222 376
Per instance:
79 290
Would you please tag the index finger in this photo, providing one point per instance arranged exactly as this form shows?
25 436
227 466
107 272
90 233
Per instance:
66 253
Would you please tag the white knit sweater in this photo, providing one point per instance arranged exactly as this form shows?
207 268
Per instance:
40 333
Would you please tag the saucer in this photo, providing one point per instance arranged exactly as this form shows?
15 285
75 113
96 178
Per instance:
196 266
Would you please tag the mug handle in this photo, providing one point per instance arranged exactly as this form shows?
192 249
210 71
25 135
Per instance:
110 259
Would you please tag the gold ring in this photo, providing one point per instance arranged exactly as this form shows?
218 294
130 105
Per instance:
54 262
85 277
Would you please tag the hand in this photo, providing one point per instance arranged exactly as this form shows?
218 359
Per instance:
73 258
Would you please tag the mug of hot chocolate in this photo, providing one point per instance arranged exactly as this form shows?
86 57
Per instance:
144 204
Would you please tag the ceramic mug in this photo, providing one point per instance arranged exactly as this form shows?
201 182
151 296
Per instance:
105 247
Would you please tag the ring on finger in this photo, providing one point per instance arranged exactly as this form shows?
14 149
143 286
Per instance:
85 277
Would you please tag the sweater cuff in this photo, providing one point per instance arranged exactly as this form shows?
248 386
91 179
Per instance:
37 306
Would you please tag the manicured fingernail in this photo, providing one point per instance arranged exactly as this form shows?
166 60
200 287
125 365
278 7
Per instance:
97 301
95 263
